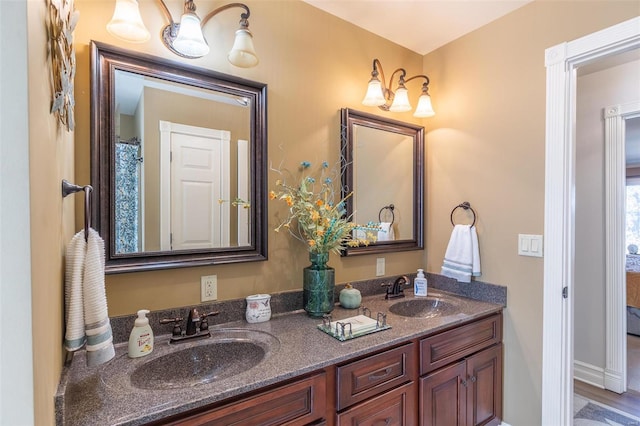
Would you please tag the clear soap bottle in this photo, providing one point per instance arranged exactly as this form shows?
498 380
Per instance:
420 284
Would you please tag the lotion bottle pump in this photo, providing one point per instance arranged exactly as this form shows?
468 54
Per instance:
141 337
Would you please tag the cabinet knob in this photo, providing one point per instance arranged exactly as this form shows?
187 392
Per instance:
464 383
473 379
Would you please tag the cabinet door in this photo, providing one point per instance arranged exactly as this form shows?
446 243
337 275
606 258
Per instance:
443 396
393 408
484 385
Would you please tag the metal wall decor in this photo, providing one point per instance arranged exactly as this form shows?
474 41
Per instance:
62 21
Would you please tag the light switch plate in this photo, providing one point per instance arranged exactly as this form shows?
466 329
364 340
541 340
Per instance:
380 267
530 245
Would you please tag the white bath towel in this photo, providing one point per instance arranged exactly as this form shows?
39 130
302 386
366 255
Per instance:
87 318
386 232
462 258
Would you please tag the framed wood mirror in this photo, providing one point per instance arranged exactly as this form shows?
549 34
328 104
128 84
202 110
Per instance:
383 165
178 163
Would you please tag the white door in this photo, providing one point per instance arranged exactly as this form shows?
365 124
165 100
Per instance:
196 208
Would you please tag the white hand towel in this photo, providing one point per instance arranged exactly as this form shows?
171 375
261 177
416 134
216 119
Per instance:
74 337
462 258
386 232
475 271
86 302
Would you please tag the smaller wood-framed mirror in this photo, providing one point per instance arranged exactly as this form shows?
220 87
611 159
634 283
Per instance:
383 165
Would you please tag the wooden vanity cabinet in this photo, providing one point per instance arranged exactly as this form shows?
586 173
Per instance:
449 378
296 404
379 389
467 390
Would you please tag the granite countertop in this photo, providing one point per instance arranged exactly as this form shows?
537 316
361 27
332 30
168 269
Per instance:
106 396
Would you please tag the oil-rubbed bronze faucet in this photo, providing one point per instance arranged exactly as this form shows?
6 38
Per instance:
197 326
395 290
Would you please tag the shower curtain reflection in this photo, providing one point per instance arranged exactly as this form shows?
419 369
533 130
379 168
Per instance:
127 196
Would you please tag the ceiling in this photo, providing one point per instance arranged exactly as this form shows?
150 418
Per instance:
419 25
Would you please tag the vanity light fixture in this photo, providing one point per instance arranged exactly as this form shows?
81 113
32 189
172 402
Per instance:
184 38
381 95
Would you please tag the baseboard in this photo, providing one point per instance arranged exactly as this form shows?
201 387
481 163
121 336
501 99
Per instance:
588 373
613 382
504 424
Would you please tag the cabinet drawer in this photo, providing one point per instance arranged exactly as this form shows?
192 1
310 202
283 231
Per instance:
394 408
444 348
370 376
296 404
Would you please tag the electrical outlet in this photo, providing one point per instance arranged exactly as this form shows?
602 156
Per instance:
379 266
208 288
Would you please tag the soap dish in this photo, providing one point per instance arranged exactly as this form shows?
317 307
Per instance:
356 326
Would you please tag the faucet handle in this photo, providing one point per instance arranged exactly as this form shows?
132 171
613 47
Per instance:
177 331
204 322
170 320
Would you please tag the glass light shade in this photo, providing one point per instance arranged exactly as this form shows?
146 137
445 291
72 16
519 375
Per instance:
243 54
374 96
190 41
400 101
424 108
126 22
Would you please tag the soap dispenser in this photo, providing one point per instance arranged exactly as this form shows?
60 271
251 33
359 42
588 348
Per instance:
420 284
141 337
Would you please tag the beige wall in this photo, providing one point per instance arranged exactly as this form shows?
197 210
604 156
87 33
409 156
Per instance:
595 91
486 146
51 153
314 64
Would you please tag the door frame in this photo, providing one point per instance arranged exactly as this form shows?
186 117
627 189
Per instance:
561 62
615 372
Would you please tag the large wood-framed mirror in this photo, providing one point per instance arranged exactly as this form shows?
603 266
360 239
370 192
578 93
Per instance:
383 165
178 163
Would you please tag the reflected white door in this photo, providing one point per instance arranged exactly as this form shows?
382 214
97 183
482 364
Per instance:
193 215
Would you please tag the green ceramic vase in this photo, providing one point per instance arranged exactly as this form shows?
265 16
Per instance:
318 286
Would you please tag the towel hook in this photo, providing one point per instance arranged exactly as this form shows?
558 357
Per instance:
465 205
391 208
69 188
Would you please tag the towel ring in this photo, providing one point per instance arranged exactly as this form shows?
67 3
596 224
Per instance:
465 205
390 207
69 188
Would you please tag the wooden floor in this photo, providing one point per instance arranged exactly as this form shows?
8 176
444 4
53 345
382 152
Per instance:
629 402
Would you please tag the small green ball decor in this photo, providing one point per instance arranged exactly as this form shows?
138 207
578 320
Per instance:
350 297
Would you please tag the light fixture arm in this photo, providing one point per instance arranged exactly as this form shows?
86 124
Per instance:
244 17
419 76
387 91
